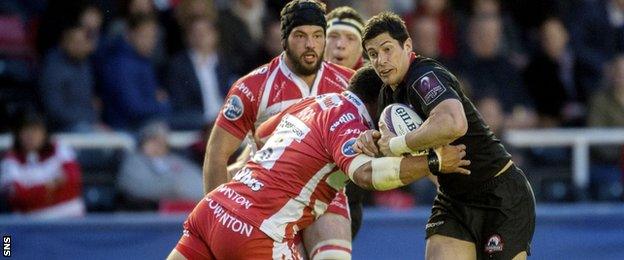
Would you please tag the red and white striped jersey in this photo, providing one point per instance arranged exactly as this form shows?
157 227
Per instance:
270 89
292 179
25 176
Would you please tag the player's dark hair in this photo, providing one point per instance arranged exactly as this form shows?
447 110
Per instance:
385 22
302 12
345 12
366 84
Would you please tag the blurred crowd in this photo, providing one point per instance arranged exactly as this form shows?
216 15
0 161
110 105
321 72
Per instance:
148 67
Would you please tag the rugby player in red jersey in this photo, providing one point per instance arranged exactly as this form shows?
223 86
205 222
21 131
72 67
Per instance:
290 182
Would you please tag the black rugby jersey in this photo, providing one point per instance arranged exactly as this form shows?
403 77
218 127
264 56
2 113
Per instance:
426 84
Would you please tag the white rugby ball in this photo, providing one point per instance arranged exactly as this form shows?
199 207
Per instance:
400 119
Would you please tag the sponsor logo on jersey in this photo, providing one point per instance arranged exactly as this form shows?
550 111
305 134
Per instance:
494 244
347 148
245 177
402 113
351 131
235 196
429 87
306 114
233 108
328 101
434 224
229 221
354 99
245 90
344 118
260 70
293 127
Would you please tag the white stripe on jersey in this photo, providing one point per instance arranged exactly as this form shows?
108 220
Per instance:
319 208
274 110
264 100
275 226
281 250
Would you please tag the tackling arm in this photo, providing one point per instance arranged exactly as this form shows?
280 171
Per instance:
392 172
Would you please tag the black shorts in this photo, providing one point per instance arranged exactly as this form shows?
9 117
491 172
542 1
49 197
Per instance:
498 217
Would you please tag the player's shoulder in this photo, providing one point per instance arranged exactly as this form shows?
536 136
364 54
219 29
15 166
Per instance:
256 77
422 65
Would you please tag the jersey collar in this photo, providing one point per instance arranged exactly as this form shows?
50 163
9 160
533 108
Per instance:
357 102
306 90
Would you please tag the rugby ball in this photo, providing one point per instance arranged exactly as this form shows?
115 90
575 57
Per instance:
400 119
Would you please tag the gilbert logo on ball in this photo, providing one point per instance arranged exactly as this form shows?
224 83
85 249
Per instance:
400 119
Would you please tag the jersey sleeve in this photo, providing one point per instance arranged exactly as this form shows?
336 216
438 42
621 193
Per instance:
238 114
342 131
433 87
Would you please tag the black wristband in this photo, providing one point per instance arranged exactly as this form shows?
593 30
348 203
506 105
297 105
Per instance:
433 162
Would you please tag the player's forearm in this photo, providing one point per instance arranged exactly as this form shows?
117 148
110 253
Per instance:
442 127
390 172
214 171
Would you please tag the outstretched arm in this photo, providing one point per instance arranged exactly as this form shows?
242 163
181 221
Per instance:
392 172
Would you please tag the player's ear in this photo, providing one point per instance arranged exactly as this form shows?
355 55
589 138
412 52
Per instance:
407 45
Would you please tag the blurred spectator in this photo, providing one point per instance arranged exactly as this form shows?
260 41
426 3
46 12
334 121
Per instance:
17 66
240 27
127 9
60 14
491 75
272 44
198 78
606 109
597 35
120 26
369 8
154 173
131 94
425 33
443 15
183 14
511 46
551 79
67 86
43 178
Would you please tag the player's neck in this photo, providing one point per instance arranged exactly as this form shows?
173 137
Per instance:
309 80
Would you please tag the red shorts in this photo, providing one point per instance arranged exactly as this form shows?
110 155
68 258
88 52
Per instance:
212 232
340 205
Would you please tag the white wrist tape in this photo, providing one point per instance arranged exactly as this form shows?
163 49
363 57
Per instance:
386 173
398 145
358 161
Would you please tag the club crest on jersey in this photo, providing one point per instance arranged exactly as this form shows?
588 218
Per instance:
347 148
328 101
233 108
429 87
494 244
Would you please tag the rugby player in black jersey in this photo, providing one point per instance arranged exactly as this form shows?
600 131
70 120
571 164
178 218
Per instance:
489 214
